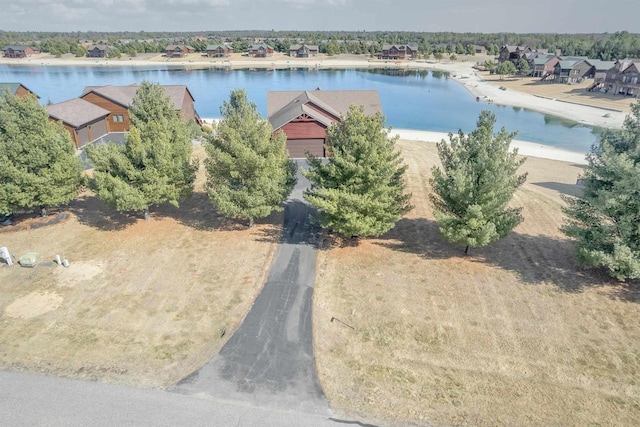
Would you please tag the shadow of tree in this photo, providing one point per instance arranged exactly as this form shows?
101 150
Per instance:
91 211
198 212
534 259
561 187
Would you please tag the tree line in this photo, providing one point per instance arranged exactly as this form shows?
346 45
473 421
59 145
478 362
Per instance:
605 46
359 191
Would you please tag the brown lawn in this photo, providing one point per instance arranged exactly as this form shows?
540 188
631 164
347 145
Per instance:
515 334
143 303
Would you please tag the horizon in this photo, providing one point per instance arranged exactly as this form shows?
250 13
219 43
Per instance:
457 16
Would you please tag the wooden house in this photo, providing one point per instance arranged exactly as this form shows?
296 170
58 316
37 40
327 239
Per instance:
543 65
304 116
219 50
17 89
513 53
303 51
118 99
98 51
479 50
398 51
260 51
16 51
624 77
178 50
85 121
572 70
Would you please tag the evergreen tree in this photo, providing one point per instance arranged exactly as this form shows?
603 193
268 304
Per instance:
605 220
154 164
38 165
505 67
524 69
476 183
249 172
360 190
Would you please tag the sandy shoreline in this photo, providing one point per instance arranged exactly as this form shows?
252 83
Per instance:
461 71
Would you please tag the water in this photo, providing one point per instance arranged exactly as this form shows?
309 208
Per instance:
420 100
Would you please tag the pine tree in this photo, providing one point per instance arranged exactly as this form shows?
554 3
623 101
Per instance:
359 192
154 165
249 172
476 184
605 221
38 165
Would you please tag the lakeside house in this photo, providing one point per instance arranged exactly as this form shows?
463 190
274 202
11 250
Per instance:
219 50
572 70
98 51
305 115
398 51
303 51
117 100
260 51
19 51
624 77
544 65
513 53
84 121
17 89
178 50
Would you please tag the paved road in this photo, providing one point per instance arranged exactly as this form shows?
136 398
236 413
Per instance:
269 359
31 400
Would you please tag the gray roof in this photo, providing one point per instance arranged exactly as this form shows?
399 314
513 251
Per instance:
217 46
76 112
284 106
99 47
412 46
569 63
12 87
298 46
16 47
602 65
543 59
123 95
259 46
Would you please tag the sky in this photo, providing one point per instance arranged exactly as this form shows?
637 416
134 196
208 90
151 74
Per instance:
484 16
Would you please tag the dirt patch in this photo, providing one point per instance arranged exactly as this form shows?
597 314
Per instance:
34 304
515 334
77 273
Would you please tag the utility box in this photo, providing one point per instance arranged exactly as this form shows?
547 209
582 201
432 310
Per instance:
30 259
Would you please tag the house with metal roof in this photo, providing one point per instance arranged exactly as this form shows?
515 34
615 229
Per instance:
17 89
398 51
572 70
85 121
260 51
543 65
303 51
219 50
18 51
624 77
305 115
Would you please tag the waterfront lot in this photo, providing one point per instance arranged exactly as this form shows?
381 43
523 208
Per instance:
143 303
514 334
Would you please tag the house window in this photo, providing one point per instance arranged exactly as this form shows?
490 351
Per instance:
118 118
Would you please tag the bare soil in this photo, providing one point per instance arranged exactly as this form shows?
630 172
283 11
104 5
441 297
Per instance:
142 303
410 330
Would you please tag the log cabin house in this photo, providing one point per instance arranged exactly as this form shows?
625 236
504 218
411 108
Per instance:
219 50
305 115
398 51
98 51
513 53
624 77
543 66
178 51
17 89
260 51
303 51
118 99
16 51
85 121
572 70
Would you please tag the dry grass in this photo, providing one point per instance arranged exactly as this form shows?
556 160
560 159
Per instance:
142 303
515 334
574 93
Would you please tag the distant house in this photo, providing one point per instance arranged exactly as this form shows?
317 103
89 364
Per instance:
98 51
118 99
178 50
624 77
303 51
479 50
16 51
398 51
572 70
219 50
85 121
17 89
513 53
305 115
260 51
543 65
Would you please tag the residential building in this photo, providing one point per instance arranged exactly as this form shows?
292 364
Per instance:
260 50
305 115
178 50
543 65
17 89
398 51
118 99
624 77
572 70
219 50
513 53
19 51
303 51
98 51
85 121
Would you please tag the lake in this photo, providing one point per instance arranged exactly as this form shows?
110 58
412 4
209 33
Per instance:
411 99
